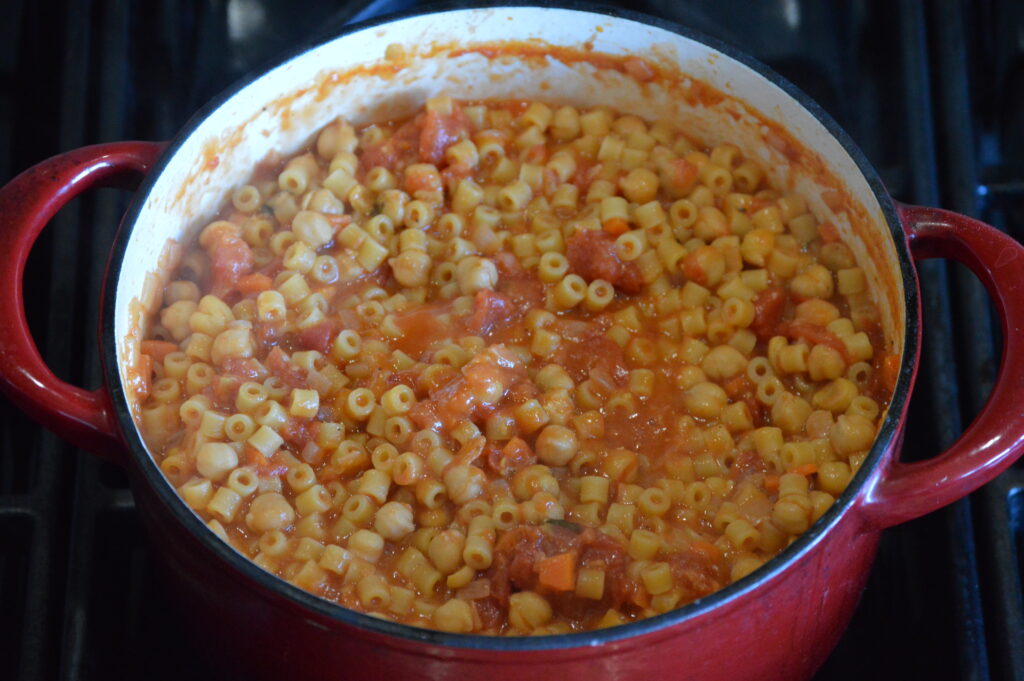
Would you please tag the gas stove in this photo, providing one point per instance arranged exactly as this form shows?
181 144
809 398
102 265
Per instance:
930 91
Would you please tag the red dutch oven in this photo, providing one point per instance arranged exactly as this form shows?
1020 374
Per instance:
778 623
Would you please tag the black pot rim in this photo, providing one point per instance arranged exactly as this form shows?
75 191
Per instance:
886 440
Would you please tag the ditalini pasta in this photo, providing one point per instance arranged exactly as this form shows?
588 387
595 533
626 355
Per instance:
513 368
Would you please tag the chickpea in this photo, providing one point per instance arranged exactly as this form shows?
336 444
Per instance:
269 511
312 228
411 268
455 616
836 256
475 274
852 433
464 483
722 362
445 550
757 246
394 520
233 342
175 318
214 460
640 185
705 400
556 445
528 610
814 282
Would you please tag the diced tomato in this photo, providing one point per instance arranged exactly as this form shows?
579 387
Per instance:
319 336
521 391
515 455
489 611
407 377
421 328
489 310
422 182
268 334
254 283
399 149
595 351
281 367
592 255
768 307
267 468
828 232
440 132
157 349
814 335
519 286
243 368
272 268
746 463
682 176
297 433
700 570
586 173
631 280
425 415
230 258
471 394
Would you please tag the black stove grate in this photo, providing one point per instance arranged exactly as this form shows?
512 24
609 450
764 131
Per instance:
984 67
929 91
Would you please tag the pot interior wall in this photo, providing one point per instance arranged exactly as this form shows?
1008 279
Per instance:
351 77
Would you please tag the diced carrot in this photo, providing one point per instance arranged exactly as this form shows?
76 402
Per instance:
157 349
806 469
254 283
616 226
706 549
558 573
771 483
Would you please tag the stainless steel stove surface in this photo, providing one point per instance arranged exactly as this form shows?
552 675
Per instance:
931 92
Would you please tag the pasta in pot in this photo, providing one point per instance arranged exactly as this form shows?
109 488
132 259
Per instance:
509 368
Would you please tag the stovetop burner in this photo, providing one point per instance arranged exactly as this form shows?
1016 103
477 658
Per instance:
931 93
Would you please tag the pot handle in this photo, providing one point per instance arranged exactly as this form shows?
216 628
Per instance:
27 203
996 437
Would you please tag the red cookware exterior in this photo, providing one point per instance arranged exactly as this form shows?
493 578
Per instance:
779 623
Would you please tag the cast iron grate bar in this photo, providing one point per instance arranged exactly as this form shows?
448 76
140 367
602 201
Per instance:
982 60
